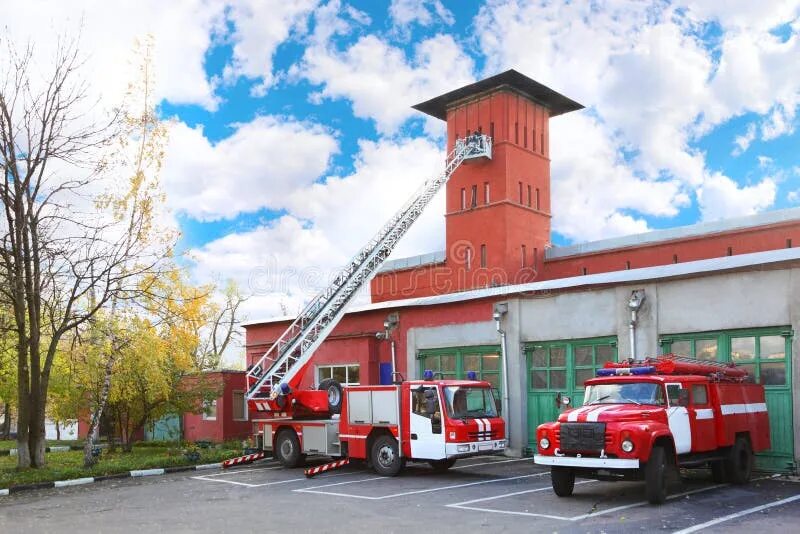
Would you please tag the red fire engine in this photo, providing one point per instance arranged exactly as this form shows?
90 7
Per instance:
436 421
643 420
431 420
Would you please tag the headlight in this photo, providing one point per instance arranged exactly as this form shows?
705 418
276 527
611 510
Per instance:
463 448
544 443
627 445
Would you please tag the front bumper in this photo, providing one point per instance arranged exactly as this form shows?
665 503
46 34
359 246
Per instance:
600 463
458 450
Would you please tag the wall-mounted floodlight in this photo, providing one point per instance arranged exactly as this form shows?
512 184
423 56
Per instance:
636 300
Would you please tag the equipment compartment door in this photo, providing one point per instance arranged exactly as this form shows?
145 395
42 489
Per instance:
427 432
678 420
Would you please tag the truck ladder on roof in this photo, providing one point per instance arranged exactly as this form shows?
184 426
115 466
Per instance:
294 348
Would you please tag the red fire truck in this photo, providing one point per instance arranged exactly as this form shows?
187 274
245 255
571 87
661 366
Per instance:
643 420
437 421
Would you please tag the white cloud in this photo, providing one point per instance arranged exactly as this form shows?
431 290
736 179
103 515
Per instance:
720 197
743 141
422 12
376 77
593 186
256 167
182 32
259 28
793 196
286 262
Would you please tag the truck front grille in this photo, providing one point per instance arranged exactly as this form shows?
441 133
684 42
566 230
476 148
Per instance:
586 437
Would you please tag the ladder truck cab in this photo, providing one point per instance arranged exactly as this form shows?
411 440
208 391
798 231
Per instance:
643 420
434 421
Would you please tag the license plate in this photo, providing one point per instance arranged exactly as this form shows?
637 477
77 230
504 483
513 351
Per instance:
484 446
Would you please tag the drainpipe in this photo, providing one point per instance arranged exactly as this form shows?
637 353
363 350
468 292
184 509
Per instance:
500 310
634 304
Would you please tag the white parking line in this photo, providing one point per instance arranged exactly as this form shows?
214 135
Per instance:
736 515
315 489
237 471
577 517
493 463
464 504
276 482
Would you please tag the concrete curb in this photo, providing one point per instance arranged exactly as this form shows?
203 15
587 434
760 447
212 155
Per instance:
90 480
56 448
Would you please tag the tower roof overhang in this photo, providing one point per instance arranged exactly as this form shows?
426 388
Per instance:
557 103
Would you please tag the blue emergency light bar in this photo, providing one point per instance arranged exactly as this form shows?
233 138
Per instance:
619 371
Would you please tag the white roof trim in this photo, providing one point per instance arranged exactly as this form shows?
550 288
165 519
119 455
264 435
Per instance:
413 261
681 232
699 267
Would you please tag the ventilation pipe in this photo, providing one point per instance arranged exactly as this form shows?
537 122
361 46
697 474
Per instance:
634 305
500 310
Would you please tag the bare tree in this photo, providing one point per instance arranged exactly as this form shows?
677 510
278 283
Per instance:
222 329
63 256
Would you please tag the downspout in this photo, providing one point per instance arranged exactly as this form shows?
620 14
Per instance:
504 360
632 330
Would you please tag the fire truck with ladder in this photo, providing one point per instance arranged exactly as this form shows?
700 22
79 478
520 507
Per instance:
644 420
430 420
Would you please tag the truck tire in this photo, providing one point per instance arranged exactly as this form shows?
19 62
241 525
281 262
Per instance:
563 479
287 448
739 465
442 465
655 476
334 391
384 456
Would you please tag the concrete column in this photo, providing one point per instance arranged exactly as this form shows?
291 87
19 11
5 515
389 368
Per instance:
517 416
794 316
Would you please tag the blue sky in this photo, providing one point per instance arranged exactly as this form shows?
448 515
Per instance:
292 137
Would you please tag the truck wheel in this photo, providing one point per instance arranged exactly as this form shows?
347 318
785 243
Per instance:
655 476
334 390
385 458
442 465
739 464
563 479
287 448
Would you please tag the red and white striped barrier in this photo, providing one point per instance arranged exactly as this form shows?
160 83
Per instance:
310 472
239 460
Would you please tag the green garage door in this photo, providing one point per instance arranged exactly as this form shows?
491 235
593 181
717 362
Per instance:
561 367
455 362
766 354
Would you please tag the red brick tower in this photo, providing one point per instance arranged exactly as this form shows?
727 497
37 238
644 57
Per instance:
498 210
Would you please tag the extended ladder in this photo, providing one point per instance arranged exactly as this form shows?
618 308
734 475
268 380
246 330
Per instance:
294 348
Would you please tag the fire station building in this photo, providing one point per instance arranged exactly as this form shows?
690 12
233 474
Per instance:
536 319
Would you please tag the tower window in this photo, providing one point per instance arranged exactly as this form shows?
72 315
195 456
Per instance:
674 258
463 198
538 206
529 196
491 130
628 265
789 243
486 193
516 132
535 257
523 249
525 137
520 192
541 146
483 255
730 251
474 196
533 139
584 271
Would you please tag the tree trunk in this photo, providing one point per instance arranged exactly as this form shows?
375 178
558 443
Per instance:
58 432
88 459
6 430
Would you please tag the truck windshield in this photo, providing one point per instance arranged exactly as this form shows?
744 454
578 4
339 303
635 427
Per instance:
625 393
469 402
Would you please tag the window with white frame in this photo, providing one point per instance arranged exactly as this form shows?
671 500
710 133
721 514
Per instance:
347 375
210 410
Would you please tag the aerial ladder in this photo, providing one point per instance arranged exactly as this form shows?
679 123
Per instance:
272 381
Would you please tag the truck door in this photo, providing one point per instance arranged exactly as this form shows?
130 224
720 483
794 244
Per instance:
678 417
701 415
426 426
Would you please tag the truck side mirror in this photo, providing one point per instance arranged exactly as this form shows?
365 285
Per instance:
683 397
562 400
498 402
